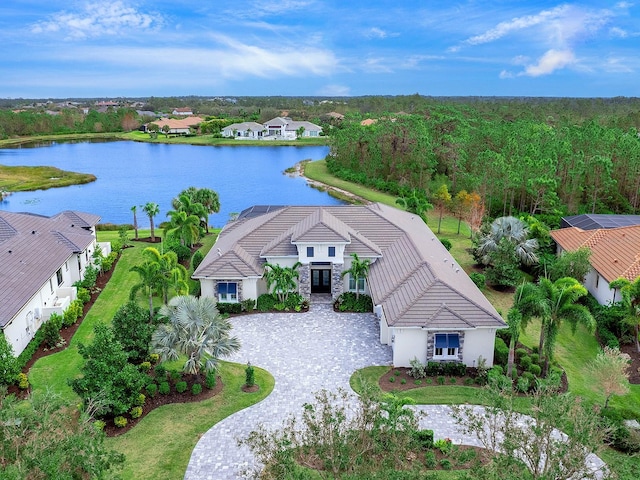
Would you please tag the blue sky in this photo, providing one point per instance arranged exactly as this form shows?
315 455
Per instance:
146 48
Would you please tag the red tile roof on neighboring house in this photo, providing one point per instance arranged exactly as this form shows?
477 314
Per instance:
615 252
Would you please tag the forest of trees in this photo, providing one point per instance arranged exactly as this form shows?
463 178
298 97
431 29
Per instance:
517 164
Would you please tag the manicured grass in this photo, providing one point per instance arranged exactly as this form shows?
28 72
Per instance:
24 179
210 140
160 446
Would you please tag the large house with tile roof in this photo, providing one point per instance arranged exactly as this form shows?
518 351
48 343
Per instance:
40 259
279 128
427 306
615 253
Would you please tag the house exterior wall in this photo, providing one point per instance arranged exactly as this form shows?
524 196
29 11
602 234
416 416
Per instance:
407 344
478 342
321 252
599 288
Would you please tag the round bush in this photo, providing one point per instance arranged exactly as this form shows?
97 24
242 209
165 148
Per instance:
525 362
210 380
535 369
152 389
181 387
196 389
535 358
120 421
141 399
520 352
164 388
479 279
136 412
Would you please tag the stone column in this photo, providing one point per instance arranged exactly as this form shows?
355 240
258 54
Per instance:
304 281
337 280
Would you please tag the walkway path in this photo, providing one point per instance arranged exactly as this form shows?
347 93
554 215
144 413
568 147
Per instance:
305 353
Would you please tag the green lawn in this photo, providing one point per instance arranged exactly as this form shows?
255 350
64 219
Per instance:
212 141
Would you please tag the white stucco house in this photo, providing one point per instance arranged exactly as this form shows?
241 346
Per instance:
426 305
279 128
615 253
40 259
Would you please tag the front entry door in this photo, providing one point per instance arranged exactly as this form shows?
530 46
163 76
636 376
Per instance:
320 281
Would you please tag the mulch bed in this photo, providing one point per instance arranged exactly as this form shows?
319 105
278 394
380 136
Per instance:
634 370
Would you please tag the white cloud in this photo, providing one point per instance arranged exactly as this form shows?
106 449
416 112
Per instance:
268 8
375 32
335 91
552 60
98 19
506 74
618 32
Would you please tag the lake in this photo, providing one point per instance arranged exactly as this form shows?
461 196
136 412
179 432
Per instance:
134 173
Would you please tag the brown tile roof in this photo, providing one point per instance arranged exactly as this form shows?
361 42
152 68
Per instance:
32 249
615 252
413 277
175 123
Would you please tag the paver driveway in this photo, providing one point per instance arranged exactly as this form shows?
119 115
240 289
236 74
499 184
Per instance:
305 353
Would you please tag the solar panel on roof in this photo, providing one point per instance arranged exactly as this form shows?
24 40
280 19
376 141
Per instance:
594 221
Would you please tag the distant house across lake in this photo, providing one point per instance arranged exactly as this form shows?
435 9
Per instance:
279 128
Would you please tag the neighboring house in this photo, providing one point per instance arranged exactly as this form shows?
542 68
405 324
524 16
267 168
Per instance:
186 111
615 253
181 126
244 130
427 306
287 129
593 221
40 260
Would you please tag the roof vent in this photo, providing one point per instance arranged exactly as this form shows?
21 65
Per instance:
445 260
10 251
33 232
219 253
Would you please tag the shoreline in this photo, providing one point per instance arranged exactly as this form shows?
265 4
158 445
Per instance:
335 192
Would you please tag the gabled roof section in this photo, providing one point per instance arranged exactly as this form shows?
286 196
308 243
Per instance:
6 230
320 227
615 252
77 219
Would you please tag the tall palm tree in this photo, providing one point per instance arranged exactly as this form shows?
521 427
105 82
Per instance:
186 202
553 302
196 330
210 200
149 281
186 227
630 293
151 209
282 279
516 232
514 321
170 273
135 221
359 269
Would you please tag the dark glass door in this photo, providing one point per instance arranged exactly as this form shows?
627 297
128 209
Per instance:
320 281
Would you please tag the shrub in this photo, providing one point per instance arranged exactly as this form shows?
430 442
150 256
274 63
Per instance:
522 385
250 376
468 381
525 362
444 445
210 380
535 369
145 367
521 352
83 295
228 307
161 372
430 459
266 302
107 262
175 375
196 260
424 438
454 369
120 421
417 369
23 381
164 388
140 400
440 380
348 302
434 368
181 387
248 305
501 352
99 425
535 358
479 279
72 313
51 330
392 379
446 242
620 437
136 412
196 389
152 389
154 358
445 463
403 381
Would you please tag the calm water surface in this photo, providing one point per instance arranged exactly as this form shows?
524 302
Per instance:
133 173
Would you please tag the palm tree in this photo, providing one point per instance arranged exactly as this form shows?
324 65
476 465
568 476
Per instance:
135 221
415 202
359 269
149 280
186 227
516 232
630 301
151 209
553 302
283 279
210 200
186 202
196 330
514 321
169 271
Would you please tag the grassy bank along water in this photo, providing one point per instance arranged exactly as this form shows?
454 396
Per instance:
25 179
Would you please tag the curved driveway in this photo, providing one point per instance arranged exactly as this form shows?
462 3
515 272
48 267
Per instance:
305 353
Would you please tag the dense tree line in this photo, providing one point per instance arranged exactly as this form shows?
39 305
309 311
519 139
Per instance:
517 165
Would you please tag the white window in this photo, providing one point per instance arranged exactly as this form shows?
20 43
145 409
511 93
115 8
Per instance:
228 292
59 276
332 251
446 345
352 284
